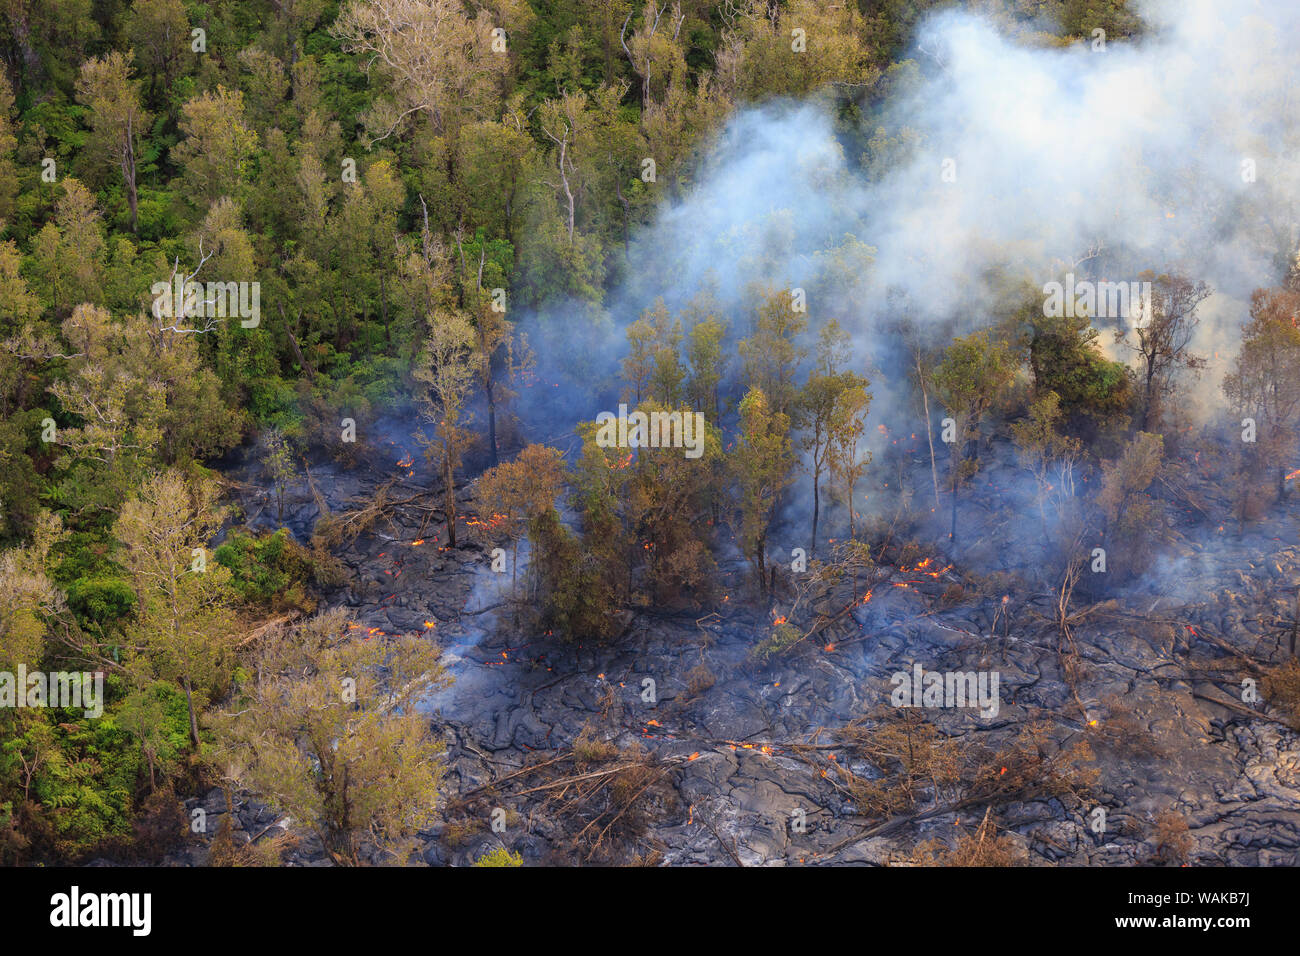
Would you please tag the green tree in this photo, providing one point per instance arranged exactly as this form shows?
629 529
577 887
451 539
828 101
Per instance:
763 466
183 630
447 366
331 732
972 376
117 118
772 353
217 152
1265 382
827 414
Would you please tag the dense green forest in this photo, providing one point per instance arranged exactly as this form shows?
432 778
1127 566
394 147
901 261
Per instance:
389 173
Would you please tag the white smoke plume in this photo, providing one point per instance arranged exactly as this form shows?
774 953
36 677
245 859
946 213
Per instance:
1143 152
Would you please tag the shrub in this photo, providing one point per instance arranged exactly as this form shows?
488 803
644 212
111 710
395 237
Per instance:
1281 687
499 856
267 570
782 637
1173 840
101 601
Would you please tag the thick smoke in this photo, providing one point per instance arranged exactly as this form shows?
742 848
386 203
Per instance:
1139 154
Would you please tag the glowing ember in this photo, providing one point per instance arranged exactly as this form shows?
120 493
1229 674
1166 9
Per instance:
492 523
924 568
1294 474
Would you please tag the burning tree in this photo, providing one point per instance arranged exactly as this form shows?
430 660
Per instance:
517 492
446 368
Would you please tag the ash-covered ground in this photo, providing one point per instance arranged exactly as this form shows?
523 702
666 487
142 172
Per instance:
738 763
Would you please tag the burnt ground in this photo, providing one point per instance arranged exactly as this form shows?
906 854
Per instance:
715 767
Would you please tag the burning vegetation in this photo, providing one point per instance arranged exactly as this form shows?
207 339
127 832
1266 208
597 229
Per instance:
385 562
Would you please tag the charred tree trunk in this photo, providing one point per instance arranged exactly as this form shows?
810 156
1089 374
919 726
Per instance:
450 505
816 510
